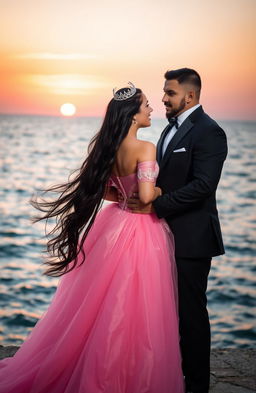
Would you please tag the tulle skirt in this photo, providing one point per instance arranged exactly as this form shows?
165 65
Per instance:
112 325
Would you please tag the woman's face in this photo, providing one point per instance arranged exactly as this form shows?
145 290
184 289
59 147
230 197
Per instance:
143 116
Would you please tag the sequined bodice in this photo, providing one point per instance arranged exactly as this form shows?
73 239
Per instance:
147 171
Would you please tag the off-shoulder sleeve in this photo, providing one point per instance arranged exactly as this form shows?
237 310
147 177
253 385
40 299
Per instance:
147 171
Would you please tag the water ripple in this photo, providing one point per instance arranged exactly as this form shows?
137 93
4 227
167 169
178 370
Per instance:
40 151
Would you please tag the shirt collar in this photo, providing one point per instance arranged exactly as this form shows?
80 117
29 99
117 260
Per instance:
185 114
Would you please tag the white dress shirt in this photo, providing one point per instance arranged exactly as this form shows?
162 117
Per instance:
180 119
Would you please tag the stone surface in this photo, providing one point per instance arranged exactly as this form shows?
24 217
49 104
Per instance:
7 351
232 370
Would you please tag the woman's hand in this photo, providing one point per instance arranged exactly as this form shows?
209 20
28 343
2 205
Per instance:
158 192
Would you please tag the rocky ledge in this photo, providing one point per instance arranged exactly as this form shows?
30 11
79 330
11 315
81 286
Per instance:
232 370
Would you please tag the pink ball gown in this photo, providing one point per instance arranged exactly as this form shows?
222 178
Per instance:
112 325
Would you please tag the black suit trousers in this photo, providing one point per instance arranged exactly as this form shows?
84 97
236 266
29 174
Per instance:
194 322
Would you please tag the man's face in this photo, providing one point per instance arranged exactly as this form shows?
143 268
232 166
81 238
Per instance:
174 98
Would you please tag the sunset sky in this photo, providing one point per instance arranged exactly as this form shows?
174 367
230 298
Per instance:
57 51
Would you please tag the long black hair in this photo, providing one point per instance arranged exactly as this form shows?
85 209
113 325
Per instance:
80 199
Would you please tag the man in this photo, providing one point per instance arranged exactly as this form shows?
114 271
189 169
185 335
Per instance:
190 153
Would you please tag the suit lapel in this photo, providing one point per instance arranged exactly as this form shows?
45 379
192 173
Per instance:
160 145
182 131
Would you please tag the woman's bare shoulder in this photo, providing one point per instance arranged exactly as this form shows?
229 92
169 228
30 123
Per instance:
146 151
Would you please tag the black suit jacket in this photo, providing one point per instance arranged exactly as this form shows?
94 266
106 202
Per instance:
189 181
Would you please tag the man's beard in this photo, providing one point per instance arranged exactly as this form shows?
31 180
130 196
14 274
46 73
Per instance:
176 111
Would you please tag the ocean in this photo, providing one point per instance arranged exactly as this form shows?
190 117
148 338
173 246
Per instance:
39 151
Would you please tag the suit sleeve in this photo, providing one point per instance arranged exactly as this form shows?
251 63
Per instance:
209 154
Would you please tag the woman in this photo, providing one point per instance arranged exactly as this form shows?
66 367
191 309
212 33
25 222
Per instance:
112 325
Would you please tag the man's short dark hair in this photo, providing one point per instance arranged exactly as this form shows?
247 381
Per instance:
185 75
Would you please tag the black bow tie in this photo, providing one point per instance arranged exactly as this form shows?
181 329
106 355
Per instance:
173 122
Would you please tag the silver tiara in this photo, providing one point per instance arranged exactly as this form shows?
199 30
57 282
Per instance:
128 93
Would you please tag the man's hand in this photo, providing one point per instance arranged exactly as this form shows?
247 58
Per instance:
135 205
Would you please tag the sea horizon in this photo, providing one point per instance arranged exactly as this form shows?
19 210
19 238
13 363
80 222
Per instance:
239 120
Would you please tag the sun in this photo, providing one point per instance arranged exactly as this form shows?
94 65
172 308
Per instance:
68 109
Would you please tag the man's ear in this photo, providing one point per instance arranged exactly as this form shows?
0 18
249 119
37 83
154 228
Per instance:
190 95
